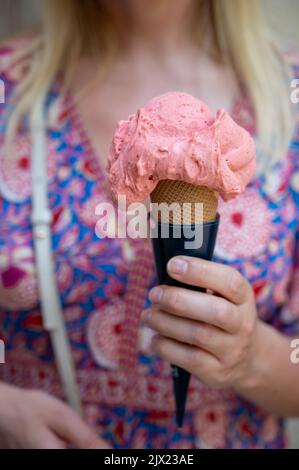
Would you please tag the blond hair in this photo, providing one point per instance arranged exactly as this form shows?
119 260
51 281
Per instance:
237 36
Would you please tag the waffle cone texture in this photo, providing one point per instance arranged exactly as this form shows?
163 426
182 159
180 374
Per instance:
172 196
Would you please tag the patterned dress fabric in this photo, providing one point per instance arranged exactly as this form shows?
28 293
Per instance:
104 283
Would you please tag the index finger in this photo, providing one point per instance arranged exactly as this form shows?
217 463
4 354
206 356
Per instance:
224 280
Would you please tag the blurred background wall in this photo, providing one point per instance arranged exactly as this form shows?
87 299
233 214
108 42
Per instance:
282 15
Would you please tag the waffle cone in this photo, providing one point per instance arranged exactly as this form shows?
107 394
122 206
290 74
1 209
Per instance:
179 192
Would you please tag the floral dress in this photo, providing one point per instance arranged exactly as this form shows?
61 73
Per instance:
103 283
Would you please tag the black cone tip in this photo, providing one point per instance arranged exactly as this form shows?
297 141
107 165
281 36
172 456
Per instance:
181 379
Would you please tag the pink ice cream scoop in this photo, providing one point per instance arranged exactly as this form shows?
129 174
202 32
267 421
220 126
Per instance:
175 137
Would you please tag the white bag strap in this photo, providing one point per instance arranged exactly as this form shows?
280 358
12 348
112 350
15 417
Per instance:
49 297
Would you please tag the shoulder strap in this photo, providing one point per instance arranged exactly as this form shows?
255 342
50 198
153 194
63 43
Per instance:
49 297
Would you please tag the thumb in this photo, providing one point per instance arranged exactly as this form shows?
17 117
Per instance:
43 438
69 426
98 443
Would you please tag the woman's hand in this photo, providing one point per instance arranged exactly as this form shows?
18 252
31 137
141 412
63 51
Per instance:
216 338
32 419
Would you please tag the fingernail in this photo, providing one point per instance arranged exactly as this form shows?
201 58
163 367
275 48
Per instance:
146 315
156 294
177 266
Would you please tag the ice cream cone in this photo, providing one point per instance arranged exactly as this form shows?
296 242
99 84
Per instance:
205 214
176 140
171 191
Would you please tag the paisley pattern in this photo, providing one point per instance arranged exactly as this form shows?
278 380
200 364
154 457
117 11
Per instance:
103 285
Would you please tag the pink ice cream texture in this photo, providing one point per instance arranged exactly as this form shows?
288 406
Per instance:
174 136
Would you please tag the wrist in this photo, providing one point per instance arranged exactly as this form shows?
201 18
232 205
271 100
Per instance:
260 364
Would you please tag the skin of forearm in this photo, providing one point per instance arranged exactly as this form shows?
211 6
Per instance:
273 381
